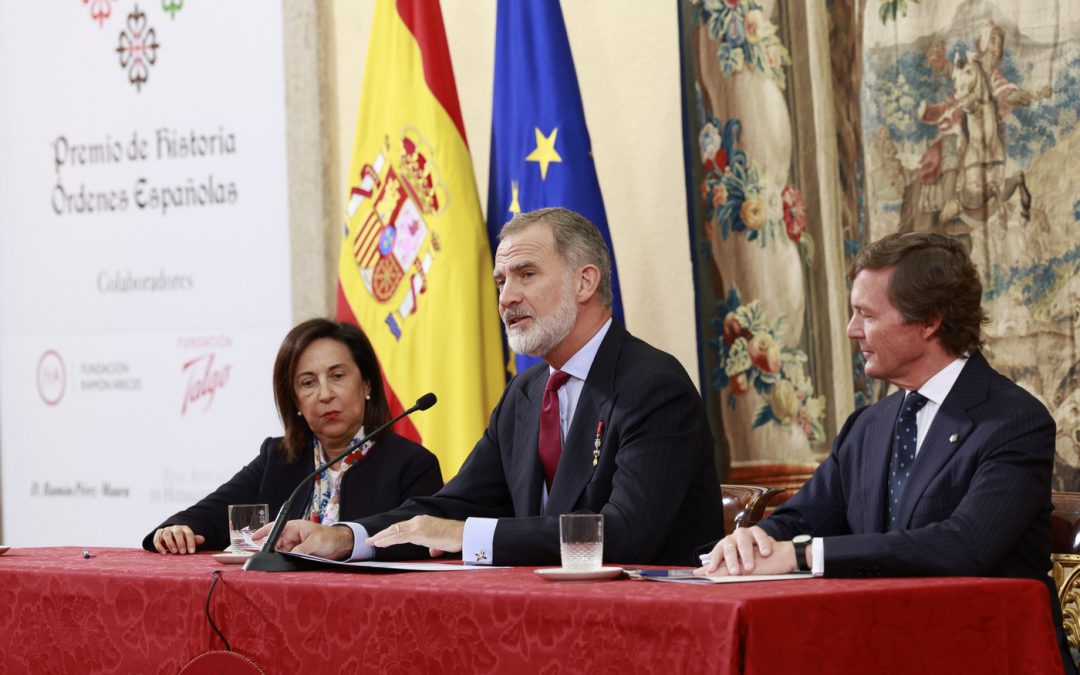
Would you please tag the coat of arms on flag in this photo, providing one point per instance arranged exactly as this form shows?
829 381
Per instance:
390 240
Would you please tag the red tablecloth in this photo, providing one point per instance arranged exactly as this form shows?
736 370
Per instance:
129 611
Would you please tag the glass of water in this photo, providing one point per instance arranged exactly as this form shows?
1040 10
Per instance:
581 541
244 519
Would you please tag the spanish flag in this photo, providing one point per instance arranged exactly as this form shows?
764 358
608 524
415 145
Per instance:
415 268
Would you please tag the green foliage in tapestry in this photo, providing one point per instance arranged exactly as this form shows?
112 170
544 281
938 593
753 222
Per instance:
888 9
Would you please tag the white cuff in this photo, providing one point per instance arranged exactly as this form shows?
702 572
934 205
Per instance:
477 541
817 550
360 550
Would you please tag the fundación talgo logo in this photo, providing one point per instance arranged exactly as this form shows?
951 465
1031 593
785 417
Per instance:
205 372
51 377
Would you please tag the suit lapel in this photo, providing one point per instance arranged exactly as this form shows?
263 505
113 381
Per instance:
878 449
595 404
527 476
950 427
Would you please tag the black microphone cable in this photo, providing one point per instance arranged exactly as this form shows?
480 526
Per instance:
209 594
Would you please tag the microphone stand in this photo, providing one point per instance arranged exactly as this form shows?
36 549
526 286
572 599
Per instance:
268 559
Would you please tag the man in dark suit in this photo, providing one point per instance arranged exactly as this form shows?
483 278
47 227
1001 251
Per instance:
948 476
607 425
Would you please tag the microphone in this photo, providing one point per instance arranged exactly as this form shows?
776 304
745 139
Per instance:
268 559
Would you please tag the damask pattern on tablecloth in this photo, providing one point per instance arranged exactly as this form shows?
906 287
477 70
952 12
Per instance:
129 611
132 611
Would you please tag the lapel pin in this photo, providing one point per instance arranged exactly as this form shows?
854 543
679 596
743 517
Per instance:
952 439
596 443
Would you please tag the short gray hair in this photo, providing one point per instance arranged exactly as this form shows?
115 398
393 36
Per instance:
576 239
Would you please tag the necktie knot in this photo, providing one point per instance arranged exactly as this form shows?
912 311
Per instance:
913 404
556 380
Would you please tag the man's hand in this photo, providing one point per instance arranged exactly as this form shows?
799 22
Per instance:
749 550
440 535
304 536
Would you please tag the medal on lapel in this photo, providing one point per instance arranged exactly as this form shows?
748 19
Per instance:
596 443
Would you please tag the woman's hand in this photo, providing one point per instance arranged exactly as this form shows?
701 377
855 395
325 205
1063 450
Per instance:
177 539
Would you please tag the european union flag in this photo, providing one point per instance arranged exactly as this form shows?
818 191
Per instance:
540 150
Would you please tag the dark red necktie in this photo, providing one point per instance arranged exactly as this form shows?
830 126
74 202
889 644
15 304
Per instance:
550 433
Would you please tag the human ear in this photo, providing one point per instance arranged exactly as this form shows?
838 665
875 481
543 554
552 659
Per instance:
588 280
931 327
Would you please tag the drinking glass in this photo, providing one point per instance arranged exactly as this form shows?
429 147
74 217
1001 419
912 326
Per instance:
244 519
581 541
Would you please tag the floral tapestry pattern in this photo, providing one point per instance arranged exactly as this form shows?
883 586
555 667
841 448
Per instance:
751 357
752 244
739 197
746 38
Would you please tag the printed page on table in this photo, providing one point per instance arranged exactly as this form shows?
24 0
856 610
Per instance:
400 566
726 580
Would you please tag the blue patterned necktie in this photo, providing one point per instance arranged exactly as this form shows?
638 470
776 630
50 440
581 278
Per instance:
904 442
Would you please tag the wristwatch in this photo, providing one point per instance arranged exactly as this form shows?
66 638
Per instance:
801 542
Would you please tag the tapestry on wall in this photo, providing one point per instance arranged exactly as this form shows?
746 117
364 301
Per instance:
969 123
751 246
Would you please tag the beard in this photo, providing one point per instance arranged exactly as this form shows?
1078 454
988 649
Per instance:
545 333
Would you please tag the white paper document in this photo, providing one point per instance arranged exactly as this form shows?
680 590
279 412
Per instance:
729 579
400 566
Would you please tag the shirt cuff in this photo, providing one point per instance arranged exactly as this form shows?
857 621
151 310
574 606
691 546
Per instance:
477 541
360 551
817 550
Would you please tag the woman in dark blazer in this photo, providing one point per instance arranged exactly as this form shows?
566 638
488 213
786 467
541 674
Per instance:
328 390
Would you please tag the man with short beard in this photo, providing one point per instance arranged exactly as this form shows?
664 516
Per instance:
632 443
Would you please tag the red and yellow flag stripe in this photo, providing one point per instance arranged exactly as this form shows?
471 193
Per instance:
415 265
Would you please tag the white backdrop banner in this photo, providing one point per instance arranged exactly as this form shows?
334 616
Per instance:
144 259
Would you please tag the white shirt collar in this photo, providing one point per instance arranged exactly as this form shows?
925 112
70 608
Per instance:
938 387
579 364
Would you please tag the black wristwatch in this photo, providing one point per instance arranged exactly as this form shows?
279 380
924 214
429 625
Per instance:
801 542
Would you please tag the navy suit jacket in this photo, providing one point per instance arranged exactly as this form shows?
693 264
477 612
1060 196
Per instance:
654 480
394 470
977 502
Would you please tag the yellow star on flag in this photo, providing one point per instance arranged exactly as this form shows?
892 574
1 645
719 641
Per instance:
545 151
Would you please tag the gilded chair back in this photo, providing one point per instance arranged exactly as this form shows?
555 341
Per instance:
1065 556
